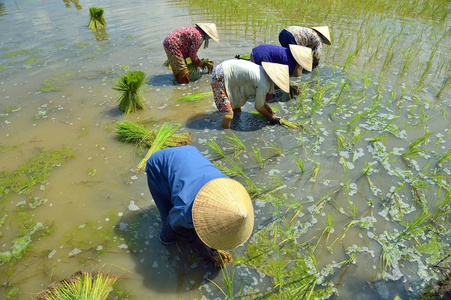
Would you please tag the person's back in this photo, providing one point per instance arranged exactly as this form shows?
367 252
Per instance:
244 79
275 54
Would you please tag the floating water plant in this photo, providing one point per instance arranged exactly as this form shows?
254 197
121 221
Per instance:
81 285
97 20
129 84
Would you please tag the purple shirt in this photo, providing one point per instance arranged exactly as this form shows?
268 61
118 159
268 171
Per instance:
274 54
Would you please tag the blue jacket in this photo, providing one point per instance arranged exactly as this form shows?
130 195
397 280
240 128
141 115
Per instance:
175 176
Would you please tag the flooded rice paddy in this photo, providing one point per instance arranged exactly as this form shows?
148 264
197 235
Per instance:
354 205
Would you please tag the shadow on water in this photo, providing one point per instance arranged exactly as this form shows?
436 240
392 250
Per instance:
243 121
165 269
161 80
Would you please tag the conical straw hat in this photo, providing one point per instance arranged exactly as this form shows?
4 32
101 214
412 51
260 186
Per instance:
303 56
210 30
324 30
223 215
279 74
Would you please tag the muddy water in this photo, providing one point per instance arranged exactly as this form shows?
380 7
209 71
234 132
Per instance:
101 211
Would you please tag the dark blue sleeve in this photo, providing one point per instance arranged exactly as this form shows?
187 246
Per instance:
183 171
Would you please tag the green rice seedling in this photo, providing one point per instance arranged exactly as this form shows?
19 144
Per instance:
318 98
419 219
235 143
97 20
215 147
129 132
349 60
278 184
276 148
258 155
444 158
326 232
315 171
228 280
442 207
445 86
163 134
194 97
300 163
82 285
129 84
290 125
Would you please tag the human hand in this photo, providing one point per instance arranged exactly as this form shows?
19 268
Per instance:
275 120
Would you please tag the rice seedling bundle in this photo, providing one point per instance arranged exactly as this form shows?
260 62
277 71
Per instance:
193 69
133 133
82 285
195 97
162 136
288 124
97 20
129 84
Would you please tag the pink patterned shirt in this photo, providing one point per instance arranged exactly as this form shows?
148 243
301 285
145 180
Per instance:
184 42
307 37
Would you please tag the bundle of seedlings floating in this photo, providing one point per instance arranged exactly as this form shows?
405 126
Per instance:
165 137
195 97
97 20
81 285
129 84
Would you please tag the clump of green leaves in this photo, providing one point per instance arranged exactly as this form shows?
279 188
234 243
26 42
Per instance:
97 20
131 100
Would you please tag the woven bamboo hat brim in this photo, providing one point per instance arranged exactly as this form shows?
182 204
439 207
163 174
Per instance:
303 56
324 30
279 74
210 30
223 215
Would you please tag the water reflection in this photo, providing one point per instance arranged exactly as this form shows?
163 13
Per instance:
75 2
100 34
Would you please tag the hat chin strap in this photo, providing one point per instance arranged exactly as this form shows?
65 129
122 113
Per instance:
207 39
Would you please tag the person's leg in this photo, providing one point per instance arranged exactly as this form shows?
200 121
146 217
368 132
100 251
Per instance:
182 77
178 67
220 95
227 119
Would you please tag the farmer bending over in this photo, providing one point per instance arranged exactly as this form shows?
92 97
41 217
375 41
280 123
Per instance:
185 42
234 81
295 57
313 38
198 204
